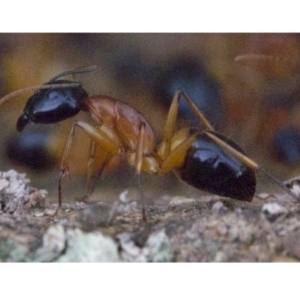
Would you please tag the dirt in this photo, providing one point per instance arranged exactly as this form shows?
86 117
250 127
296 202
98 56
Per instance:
178 229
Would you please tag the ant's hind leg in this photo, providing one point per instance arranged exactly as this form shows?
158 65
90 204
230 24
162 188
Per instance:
170 128
248 162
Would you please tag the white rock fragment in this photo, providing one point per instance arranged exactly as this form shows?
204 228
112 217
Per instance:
273 210
157 248
89 247
218 206
241 231
265 196
3 184
294 185
123 197
296 189
126 205
179 201
12 182
130 251
54 239
16 196
54 242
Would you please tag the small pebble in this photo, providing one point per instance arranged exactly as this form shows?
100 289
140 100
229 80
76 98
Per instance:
124 197
178 201
273 210
89 247
218 206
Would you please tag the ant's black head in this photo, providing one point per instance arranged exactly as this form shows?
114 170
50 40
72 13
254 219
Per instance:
52 105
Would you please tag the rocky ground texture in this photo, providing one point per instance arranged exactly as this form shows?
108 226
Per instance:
179 229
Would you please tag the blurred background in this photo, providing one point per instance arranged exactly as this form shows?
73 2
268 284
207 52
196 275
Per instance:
255 101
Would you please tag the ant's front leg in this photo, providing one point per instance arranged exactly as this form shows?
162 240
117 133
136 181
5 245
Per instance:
100 136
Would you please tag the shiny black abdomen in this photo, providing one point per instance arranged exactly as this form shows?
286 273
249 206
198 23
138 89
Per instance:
210 168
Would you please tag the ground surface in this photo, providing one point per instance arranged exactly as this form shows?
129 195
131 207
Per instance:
204 229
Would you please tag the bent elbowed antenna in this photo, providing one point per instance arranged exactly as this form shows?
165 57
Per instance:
38 87
50 85
75 71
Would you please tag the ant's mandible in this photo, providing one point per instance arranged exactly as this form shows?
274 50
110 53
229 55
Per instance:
205 159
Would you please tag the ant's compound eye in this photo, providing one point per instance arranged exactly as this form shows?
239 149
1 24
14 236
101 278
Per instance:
54 94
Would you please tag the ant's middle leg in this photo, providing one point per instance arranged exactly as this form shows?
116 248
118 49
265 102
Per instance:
106 139
91 170
138 166
142 161
94 173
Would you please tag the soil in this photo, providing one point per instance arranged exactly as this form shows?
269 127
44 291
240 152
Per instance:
178 229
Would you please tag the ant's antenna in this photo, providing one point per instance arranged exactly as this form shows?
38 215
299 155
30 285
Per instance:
75 71
38 87
50 85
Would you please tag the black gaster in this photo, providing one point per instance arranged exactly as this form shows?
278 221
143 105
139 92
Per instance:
210 168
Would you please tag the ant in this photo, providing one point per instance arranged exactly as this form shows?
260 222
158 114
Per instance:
203 158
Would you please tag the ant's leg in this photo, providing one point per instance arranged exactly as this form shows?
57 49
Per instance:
175 158
248 161
170 127
197 111
91 169
93 174
243 158
98 136
138 165
169 158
